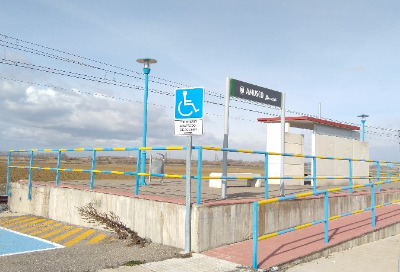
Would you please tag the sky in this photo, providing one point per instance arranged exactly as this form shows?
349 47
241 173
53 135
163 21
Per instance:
82 87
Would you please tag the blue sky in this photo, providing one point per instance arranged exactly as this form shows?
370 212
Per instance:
342 54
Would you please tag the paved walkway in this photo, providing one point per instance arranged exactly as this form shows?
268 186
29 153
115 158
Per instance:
291 246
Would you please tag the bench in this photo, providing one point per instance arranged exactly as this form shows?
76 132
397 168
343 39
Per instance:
217 183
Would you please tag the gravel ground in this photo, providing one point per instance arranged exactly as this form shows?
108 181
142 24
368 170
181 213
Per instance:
86 257
109 254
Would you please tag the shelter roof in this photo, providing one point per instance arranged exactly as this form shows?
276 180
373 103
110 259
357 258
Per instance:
307 122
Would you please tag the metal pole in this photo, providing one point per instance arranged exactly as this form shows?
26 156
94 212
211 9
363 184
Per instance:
282 181
92 173
188 191
150 163
266 175
373 218
8 174
30 177
58 168
137 173
199 172
314 175
351 175
326 216
363 129
226 134
146 72
319 110
255 234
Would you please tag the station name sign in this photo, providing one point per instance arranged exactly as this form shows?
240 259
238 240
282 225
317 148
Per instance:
255 93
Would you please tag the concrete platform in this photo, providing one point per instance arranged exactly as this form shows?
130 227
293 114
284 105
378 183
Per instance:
158 213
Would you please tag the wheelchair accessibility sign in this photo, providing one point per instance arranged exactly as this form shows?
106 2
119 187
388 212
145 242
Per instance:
189 104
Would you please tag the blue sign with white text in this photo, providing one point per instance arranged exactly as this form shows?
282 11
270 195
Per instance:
189 103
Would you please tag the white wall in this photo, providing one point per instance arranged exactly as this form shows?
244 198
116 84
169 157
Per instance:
331 146
294 143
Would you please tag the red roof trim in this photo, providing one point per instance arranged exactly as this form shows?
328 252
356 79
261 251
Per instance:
311 119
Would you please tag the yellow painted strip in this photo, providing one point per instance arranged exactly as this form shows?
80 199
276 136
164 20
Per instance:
298 155
47 235
303 226
266 201
45 229
378 182
144 174
65 235
304 194
96 171
212 148
358 186
245 151
77 170
320 157
34 150
274 177
63 149
395 201
145 148
61 169
119 148
274 153
19 222
334 217
267 236
21 166
36 227
379 206
97 239
79 238
46 168
338 158
173 176
98 149
357 211
249 177
29 224
12 219
174 147
334 189
47 150
79 149
207 177
117 172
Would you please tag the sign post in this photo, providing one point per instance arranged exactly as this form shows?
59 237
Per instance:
189 105
258 94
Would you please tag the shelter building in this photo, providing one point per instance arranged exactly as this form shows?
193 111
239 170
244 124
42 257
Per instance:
328 139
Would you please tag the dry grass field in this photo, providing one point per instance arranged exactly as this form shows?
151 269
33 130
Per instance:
172 166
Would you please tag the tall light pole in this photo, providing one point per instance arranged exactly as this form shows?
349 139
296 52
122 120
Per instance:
146 70
363 118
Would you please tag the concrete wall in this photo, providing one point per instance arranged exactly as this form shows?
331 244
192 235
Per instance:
331 146
162 222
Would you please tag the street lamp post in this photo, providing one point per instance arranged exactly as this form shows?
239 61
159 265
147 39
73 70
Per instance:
363 118
146 70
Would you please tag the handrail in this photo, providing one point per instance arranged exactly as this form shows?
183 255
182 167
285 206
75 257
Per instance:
326 219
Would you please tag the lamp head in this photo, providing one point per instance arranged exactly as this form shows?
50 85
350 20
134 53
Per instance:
146 62
363 116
